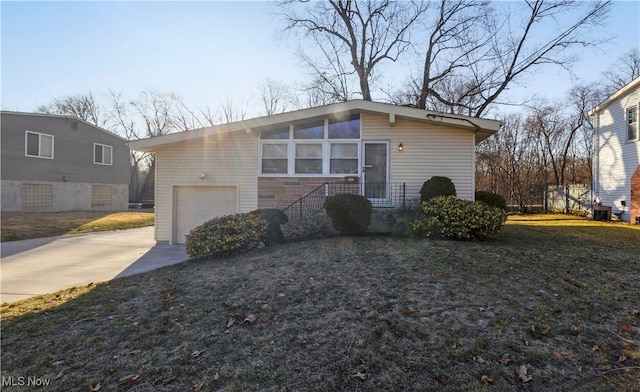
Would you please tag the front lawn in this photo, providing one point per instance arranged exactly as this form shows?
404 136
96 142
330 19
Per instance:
547 305
24 225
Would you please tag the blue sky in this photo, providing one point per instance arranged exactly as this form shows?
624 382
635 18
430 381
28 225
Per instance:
207 52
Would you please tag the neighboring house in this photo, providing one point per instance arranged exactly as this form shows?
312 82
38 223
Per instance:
273 161
60 163
616 166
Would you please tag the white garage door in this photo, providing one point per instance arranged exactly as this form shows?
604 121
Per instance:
197 204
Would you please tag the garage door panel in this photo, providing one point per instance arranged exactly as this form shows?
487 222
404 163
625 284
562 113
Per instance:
195 205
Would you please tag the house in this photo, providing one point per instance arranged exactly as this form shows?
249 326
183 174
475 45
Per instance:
61 163
616 166
273 161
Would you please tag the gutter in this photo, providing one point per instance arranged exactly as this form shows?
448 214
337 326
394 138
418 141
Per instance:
476 126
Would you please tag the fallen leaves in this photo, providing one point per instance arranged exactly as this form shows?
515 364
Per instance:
628 329
488 379
559 356
95 388
441 379
360 376
128 379
522 374
250 319
576 329
631 353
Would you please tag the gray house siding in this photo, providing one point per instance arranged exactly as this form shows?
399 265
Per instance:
70 180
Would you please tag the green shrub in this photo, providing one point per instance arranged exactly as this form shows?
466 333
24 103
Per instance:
402 227
437 186
307 228
451 218
274 218
350 214
492 199
226 235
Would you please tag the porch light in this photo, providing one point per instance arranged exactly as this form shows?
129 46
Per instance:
400 147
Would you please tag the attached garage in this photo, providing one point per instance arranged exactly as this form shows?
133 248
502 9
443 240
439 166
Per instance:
195 205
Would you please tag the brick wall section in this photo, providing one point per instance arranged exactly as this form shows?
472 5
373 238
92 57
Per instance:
279 192
635 195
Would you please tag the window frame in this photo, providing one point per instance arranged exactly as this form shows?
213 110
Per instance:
110 154
635 124
325 142
40 136
261 157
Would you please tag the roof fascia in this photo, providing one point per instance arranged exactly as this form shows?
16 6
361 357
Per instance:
628 88
64 117
393 111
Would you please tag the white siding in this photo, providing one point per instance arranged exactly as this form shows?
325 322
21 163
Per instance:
228 160
429 150
617 158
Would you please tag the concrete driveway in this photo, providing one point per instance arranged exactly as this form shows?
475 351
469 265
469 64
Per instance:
46 265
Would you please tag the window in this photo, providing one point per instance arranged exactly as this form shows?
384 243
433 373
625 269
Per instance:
349 129
102 154
274 158
344 158
321 147
282 133
309 131
39 145
632 123
309 158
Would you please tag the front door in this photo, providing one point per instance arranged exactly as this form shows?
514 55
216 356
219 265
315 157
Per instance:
375 169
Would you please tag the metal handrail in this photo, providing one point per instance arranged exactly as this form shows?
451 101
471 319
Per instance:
381 195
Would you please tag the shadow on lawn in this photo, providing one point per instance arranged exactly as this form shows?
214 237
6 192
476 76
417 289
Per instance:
22 225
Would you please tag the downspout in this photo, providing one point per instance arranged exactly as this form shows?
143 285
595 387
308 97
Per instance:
595 181
476 126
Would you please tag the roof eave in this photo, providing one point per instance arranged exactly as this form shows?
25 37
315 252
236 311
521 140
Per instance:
628 88
457 121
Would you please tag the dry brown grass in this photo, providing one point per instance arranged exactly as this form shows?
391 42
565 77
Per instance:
22 226
368 314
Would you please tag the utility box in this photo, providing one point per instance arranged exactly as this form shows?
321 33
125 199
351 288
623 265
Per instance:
602 213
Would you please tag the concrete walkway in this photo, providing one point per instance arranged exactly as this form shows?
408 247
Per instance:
46 265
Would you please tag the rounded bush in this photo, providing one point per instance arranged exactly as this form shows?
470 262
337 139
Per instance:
307 228
402 227
452 218
275 218
492 199
350 214
226 235
437 186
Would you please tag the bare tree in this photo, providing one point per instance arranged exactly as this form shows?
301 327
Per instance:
83 106
510 164
623 71
455 39
514 43
362 34
231 113
152 114
276 96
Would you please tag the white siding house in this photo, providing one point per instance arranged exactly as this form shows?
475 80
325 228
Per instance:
272 161
617 150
